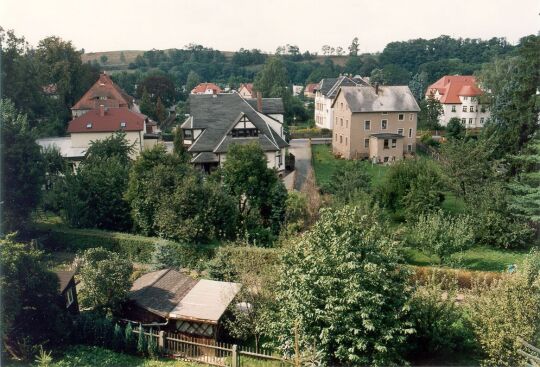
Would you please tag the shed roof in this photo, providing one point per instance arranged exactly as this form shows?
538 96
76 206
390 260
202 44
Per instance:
64 277
397 98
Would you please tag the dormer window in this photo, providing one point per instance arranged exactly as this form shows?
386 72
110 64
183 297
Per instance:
89 125
122 124
244 129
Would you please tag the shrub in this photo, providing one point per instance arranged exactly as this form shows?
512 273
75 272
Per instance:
142 344
130 342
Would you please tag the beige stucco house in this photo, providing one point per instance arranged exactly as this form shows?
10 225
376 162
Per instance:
374 122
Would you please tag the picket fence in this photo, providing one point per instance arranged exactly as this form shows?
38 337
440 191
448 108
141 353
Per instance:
211 352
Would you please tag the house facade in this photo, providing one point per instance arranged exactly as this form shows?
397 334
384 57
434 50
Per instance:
246 90
459 97
376 123
206 88
325 92
218 121
105 93
177 303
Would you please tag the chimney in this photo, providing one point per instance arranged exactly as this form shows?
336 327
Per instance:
376 88
259 102
101 110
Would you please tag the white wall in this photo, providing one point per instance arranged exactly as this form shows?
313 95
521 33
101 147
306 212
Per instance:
477 115
271 159
323 112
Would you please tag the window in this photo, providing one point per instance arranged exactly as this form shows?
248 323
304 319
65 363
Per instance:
394 143
471 109
187 134
341 122
69 297
103 98
464 108
385 113
482 109
385 144
278 159
409 148
470 121
463 121
385 159
346 140
465 98
410 133
476 109
481 120
401 117
122 124
89 125
453 108
366 143
244 133
367 125
411 115
400 132
341 139
384 124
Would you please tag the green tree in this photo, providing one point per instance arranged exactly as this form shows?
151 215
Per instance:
23 169
106 277
122 57
193 79
455 129
272 80
114 146
418 85
161 113
103 59
146 105
430 110
347 180
354 47
505 310
29 291
342 286
159 87
443 235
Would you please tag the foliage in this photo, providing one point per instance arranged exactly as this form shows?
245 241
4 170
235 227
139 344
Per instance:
159 87
342 285
418 85
505 310
44 359
297 215
346 181
114 146
258 192
354 47
193 80
29 293
130 342
142 343
146 106
23 169
441 234
106 279
430 111
455 129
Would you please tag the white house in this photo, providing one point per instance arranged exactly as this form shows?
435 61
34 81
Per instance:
325 93
459 97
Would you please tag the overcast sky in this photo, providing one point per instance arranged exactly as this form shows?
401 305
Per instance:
265 24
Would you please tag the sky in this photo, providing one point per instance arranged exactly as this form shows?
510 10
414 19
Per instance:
229 25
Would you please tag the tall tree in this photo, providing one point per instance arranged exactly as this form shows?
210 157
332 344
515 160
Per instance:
418 85
430 110
23 169
146 105
272 80
192 80
354 47
342 288
159 87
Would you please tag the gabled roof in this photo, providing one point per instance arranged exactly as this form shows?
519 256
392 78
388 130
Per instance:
248 86
111 120
395 98
171 294
329 87
216 115
311 87
270 106
104 87
203 87
64 277
451 87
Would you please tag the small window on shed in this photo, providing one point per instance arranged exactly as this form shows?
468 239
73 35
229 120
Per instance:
88 125
69 297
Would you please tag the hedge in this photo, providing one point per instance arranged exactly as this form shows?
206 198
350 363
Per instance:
136 248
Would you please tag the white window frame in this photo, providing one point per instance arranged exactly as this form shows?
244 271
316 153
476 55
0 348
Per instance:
366 143
368 124
409 148
401 117
69 297
410 133
400 131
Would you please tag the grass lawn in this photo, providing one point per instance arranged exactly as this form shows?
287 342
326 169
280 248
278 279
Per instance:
325 164
478 258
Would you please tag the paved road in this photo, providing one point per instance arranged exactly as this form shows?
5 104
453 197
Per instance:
301 149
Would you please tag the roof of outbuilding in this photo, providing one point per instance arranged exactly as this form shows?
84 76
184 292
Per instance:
397 98
104 87
64 277
109 122
217 114
171 294
270 106
451 87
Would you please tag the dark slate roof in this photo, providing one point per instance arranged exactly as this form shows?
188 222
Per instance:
329 87
270 106
160 291
64 277
389 99
217 114
205 157
387 136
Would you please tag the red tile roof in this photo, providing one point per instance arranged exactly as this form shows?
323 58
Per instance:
201 88
104 87
110 121
452 86
310 88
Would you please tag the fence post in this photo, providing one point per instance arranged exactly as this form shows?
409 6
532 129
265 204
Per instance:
161 341
234 356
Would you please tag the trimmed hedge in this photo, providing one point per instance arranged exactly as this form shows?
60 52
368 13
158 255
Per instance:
136 248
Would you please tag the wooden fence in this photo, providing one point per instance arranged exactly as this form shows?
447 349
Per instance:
211 352
530 352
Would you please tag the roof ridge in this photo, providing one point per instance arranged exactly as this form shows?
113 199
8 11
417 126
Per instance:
262 118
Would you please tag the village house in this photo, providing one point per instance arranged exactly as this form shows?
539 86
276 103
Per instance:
375 122
105 93
309 90
218 121
206 88
325 92
67 292
296 90
178 303
246 90
459 97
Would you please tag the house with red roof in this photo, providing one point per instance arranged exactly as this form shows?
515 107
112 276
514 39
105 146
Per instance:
105 93
206 88
309 90
459 97
246 90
